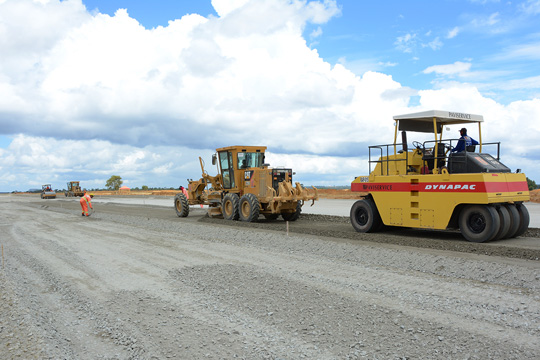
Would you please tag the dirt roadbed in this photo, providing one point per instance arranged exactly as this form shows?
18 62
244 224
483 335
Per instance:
137 282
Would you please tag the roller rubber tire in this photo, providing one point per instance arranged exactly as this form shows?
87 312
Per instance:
504 217
249 208
271 216
365 216
479 223
181 205
514 220
524 219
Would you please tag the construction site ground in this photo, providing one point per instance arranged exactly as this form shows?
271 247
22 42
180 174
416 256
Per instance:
134 281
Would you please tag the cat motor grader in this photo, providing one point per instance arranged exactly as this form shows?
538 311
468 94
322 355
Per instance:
73 189
431 187
245 187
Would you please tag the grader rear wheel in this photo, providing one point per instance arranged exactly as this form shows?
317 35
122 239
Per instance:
181 205
295 215
230 207
479 223
249 208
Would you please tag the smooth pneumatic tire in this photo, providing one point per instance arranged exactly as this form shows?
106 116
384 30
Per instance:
229 208
181 205
365 216
514 220
249 208
479 223
271 216
504 217
524 219
294 215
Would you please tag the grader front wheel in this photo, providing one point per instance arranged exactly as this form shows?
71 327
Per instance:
181 205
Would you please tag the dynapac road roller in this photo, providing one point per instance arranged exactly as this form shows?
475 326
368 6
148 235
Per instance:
430 186
244 188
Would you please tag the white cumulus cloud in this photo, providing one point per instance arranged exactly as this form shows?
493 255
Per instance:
92 95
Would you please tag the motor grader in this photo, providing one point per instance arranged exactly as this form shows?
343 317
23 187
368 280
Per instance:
245 187
73 189
47 192
433 186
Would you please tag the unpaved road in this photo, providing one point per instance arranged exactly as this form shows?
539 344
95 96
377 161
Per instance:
137 282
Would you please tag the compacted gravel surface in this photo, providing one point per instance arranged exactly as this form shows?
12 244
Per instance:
137 282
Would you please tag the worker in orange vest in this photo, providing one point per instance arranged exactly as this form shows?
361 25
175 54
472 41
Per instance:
86 201
184 191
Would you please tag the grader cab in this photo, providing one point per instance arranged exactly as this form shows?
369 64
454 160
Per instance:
434 186
244 188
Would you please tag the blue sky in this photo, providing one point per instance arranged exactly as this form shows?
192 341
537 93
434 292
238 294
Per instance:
493 39
88 90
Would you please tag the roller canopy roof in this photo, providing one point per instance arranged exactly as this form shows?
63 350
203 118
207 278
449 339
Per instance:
423 121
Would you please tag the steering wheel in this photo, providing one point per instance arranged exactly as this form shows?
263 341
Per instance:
447 148
417 145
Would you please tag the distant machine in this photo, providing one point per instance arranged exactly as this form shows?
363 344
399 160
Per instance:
47 192
73 189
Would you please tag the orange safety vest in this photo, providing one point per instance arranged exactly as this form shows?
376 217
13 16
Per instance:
88 199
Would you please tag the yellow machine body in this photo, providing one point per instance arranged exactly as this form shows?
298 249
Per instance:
242 175
430 200
469 190
47 192
74 189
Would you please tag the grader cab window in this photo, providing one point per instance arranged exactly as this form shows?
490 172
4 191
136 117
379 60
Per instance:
250 159
226 164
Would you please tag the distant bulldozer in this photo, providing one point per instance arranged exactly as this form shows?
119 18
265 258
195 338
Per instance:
245 187
73 189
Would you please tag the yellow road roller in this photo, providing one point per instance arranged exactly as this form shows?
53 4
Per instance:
440 183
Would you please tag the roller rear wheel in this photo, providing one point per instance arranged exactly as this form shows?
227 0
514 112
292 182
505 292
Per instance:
514 220
479 223
504 217
524 219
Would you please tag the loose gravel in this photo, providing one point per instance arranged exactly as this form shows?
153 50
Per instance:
132 283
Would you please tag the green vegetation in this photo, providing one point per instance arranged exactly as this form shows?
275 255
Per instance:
114 182
532 184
